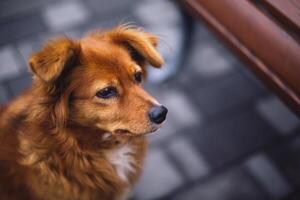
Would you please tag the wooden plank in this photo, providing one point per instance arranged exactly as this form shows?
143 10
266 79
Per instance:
286 10
270 52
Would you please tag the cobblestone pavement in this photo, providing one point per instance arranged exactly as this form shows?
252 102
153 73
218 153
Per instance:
227 136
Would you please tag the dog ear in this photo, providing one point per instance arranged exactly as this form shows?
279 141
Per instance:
48 65
55 57
140 44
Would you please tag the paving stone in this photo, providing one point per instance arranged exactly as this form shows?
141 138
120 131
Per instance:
181 108
3 95
12 8
262 168
200 68
109 7
159 177
293 196
193 163
233 137
209 62
286 158
65 14
203 36
25 49
233 185
9 65
278 115
226 94
165 13
248 74
24 26
202 33
182 113
18 85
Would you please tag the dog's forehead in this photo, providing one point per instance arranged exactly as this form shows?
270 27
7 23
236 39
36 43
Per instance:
105 64
106 55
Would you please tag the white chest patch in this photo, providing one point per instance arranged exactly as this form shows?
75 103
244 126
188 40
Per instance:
122 160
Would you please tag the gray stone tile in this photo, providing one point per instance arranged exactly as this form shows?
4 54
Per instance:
248 74
262 168
25 49
294 196
65 14
13 8
286 158
233 185
109 7
9 62
233 137
202 33
159 177
225 94
193 163
3 95
209 62
204 37
165 13
182 113
278 115
24 26
18 85
181 108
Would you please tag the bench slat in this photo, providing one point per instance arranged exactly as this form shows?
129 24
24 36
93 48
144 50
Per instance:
268 49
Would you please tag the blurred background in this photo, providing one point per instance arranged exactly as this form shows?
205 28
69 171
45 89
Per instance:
227 137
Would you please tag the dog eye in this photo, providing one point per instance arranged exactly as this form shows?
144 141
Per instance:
107 92
138 77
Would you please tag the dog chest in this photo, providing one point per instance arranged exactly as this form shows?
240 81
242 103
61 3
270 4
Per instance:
122 159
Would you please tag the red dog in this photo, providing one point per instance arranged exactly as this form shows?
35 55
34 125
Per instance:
78 132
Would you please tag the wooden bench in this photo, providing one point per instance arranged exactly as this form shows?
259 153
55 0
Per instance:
264 33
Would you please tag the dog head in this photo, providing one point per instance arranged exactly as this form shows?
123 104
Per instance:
97 81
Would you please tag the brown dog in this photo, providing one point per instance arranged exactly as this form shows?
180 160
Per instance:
77 133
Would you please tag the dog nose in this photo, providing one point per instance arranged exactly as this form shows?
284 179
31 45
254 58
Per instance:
158 114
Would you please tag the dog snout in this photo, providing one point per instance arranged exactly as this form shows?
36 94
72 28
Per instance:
158 114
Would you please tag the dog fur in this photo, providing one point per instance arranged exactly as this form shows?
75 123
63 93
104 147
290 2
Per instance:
58 141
